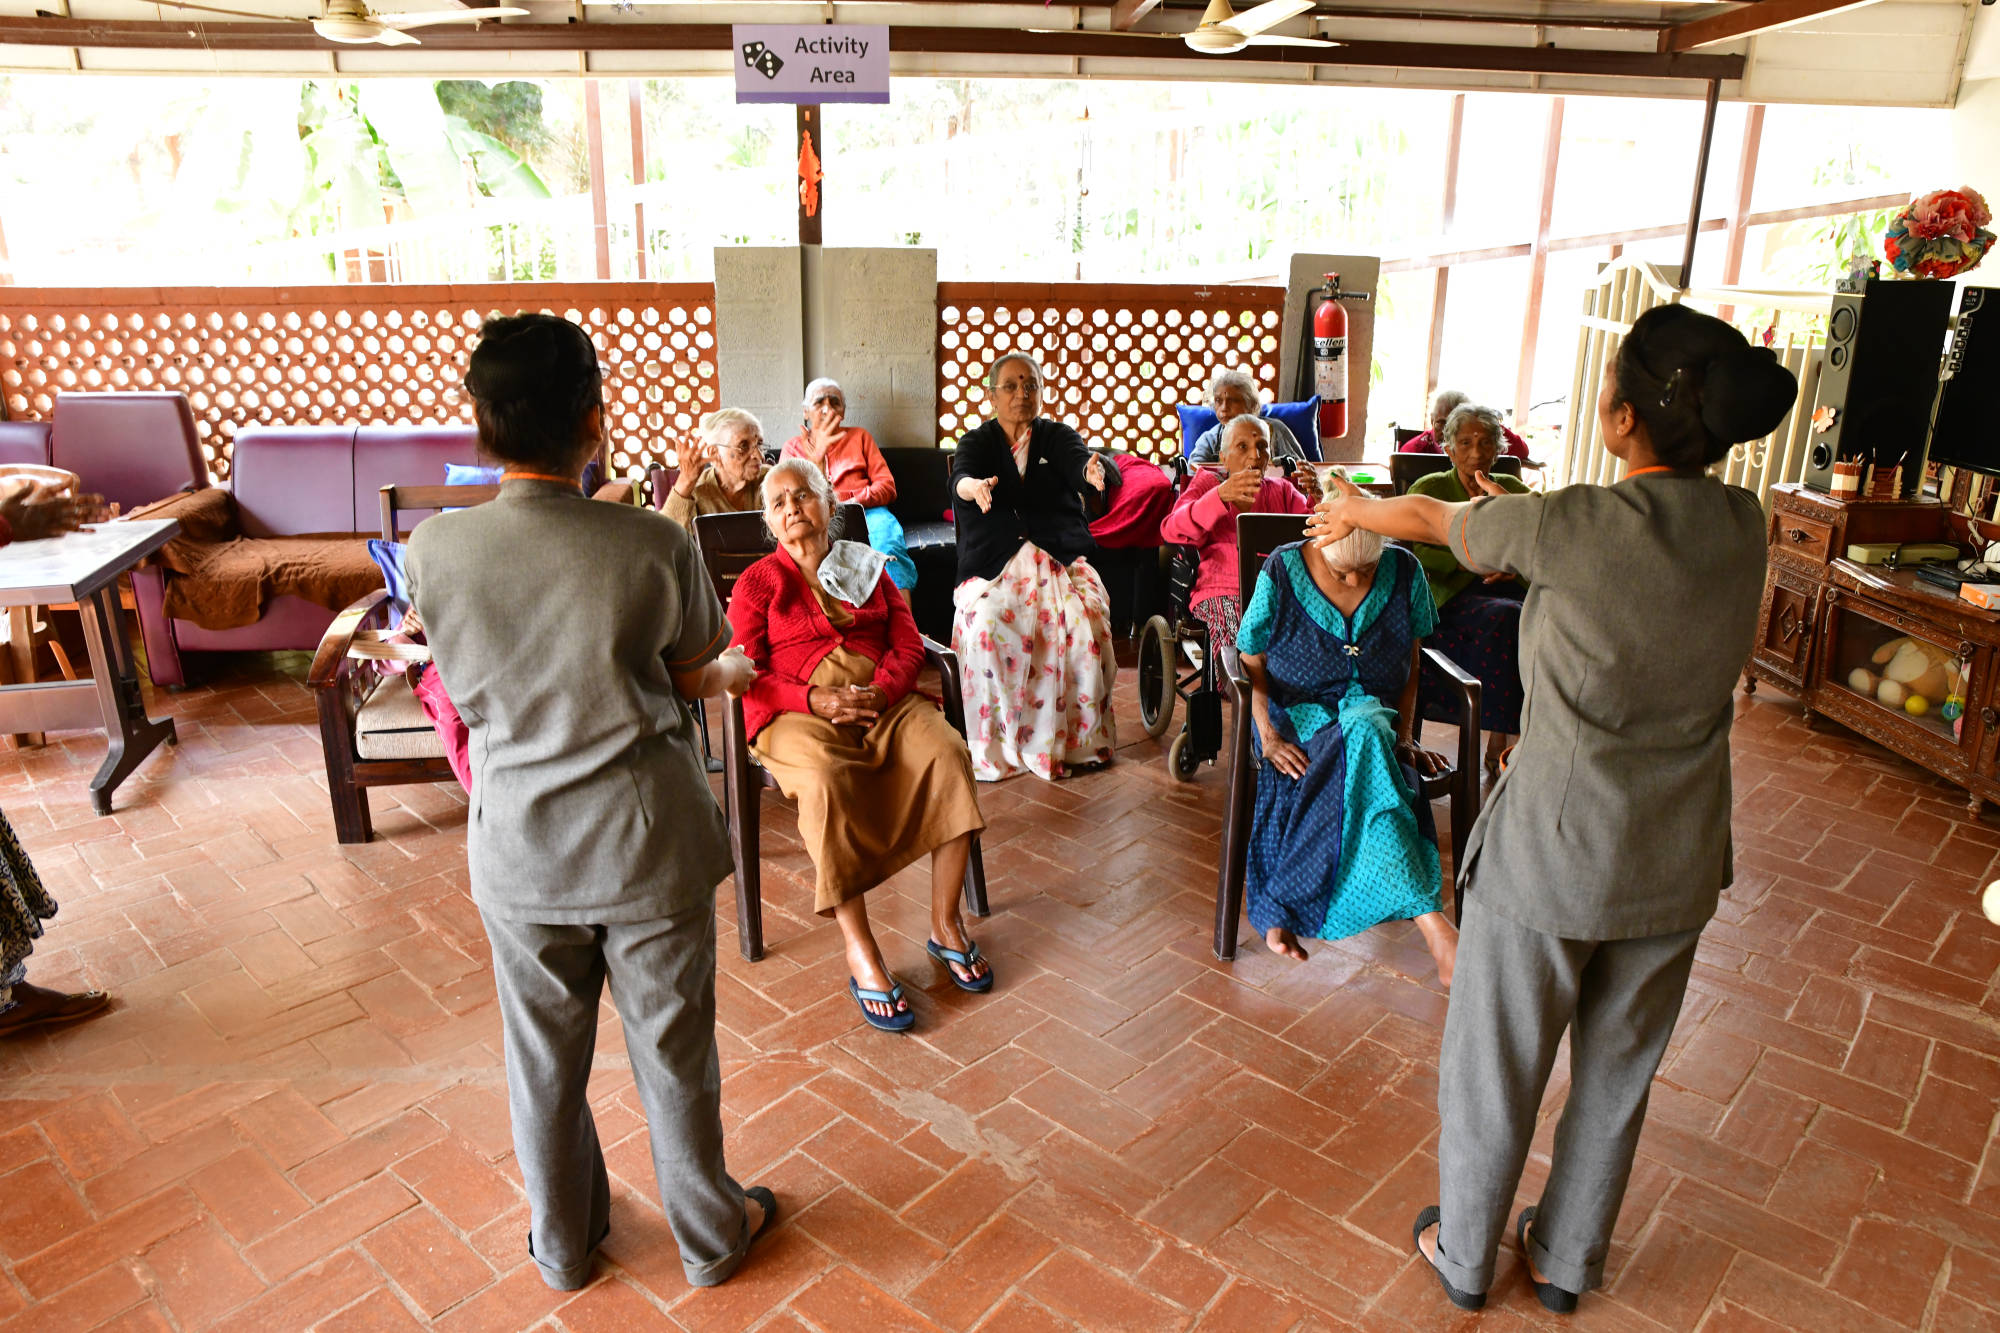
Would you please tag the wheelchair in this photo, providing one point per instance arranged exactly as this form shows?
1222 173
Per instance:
1177 662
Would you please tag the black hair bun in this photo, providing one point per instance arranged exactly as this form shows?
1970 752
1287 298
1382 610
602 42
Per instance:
531 355
1746 394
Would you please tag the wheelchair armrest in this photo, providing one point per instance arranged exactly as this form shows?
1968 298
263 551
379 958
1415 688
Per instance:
1232 667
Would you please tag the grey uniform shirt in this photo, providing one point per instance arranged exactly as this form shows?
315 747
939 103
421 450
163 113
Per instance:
1612 819
554 621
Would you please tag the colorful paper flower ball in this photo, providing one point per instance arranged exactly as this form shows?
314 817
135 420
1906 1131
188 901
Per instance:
1940 234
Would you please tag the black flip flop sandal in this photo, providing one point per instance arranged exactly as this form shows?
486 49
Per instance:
1464 1300
1557 1300
769 1202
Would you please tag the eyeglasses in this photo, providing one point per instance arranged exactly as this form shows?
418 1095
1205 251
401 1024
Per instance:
741 449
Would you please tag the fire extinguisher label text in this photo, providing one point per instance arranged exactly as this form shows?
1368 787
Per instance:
1327 348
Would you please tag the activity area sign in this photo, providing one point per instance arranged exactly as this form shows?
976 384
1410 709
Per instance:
808 63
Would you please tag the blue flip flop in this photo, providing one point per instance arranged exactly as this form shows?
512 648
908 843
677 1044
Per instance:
966 960
896 1022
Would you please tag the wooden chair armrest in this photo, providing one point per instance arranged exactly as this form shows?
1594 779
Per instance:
950 684
1232 667
1468 691
615 492
329 661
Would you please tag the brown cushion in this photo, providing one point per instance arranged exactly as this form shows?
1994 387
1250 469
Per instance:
224 585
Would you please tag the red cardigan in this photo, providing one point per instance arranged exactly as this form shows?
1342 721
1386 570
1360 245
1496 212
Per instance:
779 623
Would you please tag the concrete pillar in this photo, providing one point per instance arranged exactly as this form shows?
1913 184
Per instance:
1358 273
866 317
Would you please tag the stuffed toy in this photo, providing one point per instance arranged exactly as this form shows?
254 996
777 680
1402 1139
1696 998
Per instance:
1910 674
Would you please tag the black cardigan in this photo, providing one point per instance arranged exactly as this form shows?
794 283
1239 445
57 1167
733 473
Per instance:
1044 507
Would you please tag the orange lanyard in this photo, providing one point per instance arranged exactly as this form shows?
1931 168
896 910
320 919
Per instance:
539 476
1639 472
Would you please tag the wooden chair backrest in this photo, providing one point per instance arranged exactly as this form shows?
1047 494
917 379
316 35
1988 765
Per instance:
1257 535
1404 469
1403 436
396 499
731 543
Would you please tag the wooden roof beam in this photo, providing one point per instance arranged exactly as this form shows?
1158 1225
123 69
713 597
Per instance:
1125 14
584 37
1750 19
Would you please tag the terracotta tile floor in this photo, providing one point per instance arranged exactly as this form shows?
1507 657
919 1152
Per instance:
295 1117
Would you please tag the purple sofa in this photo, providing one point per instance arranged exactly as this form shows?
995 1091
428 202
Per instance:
298 481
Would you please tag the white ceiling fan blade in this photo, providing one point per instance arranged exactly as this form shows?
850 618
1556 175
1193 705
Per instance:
391 37
1269 39
424 18
1268 15
236 13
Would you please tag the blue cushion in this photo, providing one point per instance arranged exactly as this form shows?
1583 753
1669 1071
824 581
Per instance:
1301 419
389 557
470 474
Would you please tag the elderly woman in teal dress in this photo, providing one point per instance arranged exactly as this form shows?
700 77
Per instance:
1341 838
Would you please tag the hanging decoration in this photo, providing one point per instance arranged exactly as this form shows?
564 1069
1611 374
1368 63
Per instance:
1940 235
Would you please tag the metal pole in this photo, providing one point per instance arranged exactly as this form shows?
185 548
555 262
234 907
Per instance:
1700 181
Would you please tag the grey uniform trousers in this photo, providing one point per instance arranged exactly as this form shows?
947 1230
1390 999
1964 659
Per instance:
662 975
1513 992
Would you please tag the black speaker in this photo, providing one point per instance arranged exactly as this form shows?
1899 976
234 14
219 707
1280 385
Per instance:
1879 376
1963 431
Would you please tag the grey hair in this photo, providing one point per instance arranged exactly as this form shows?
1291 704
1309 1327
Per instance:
1262 426
1465 412
1447 399
1238 380
823 382
993 371
809 471
724 421
1357 550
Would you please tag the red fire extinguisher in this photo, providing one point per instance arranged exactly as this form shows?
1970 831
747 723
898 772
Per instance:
1329 356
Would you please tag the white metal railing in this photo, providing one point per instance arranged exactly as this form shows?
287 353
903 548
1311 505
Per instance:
1626 289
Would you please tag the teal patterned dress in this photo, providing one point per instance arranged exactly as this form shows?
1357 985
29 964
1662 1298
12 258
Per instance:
1351 844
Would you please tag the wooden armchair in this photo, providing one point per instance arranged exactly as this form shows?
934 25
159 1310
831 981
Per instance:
730 544
1257 535
374 731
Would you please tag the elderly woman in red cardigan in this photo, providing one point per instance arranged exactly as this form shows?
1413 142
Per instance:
879 776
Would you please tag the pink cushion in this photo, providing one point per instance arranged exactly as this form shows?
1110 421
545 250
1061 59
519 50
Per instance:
131 448
291 480
1142 500
287 623
24 441
405 456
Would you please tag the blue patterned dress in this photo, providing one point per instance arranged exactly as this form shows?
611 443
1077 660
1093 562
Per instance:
1352 843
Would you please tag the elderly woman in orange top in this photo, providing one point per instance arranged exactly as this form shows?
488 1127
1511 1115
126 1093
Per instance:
852 463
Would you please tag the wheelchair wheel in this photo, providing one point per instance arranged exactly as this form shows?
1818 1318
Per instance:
1157 676
1182 758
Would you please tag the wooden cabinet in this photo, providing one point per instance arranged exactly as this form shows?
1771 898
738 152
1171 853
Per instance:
1829 629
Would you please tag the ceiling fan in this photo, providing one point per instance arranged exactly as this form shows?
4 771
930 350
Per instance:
351 21
1223 30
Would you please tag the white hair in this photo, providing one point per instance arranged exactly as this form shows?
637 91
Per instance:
1447 399
1359 549
823 382
808 471
1238 380
725 422
1034 367
1472 413
1255 422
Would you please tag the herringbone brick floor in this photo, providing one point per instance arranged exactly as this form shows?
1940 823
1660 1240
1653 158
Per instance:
295 1117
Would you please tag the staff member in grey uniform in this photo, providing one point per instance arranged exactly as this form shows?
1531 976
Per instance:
570 634
1592 871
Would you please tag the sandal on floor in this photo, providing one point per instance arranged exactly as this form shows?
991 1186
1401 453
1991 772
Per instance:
980 985
1559 1300
43 1008
895 1022
769 1202
1464 1300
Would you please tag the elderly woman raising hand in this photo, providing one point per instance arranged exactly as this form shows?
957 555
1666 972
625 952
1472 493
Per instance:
879 776
1033 624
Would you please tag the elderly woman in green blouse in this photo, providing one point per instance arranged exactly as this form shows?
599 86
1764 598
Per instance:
1479 615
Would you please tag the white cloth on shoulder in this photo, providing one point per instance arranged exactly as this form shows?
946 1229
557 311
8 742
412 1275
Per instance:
850 571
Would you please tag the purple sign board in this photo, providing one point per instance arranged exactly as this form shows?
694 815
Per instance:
808 63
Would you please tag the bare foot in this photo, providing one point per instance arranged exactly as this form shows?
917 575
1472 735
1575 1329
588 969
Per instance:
1283 943
870 973
1528 1253
1441 938
753 1212
1427 1243
950 932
